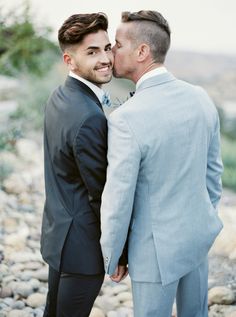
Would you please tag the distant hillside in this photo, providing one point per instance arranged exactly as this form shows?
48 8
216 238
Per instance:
200 67
216 73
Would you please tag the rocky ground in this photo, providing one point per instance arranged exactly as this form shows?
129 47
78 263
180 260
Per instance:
23 274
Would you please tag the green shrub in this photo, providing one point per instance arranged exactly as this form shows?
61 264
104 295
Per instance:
24 46
229 161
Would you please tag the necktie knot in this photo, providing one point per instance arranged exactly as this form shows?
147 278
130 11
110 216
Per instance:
106 100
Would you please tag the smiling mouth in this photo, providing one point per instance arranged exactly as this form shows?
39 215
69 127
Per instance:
104 69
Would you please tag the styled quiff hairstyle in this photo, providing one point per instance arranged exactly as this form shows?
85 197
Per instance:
77 26
151 28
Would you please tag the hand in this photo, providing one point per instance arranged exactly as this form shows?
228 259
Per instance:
120 273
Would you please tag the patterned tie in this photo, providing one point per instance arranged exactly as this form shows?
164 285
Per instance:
106 101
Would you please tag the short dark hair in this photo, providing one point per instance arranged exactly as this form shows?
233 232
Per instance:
77 26
153 29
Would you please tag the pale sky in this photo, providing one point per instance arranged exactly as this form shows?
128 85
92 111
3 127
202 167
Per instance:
197 25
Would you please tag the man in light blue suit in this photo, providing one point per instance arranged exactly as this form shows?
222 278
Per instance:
164 176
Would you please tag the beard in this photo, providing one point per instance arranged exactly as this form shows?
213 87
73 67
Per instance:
93 75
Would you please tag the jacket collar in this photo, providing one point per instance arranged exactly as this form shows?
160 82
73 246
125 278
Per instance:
156 80
77 84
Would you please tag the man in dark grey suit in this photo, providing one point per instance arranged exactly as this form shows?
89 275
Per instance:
75 148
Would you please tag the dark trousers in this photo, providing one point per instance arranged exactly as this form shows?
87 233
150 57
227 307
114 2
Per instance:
53 283
71 295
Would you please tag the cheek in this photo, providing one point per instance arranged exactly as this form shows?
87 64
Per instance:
111 57
119 58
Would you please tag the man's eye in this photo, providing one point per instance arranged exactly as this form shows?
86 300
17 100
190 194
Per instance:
91 53
108 48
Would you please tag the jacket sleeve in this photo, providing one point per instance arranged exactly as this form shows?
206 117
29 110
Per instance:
124 157
90 150
214 167
123 260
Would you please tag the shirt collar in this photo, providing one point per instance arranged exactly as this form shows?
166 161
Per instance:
98 91
151 73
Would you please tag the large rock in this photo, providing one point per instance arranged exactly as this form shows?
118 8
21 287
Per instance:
106 302
24 257
96 312
125 312
128 303
232 314
18 239
28 150
18 313
124 296
10 225
36 300
221 295
41 274
225 244
221 310
23 289
18 304
119 289
25 198
5 292
15 184
112 313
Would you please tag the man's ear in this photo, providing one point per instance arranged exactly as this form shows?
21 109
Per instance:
68 60
143 51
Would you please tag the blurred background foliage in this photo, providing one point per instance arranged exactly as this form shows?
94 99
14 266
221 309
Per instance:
29 56
229 160
24 46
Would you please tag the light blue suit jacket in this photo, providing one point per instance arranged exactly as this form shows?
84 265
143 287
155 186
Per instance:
163 180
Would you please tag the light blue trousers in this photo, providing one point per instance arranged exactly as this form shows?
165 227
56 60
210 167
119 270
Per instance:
190 292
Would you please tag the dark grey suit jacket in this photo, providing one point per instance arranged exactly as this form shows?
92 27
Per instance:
75 149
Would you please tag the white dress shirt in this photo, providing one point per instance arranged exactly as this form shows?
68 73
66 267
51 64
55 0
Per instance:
98 91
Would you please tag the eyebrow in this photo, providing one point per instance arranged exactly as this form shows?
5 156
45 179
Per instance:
92 48
97 47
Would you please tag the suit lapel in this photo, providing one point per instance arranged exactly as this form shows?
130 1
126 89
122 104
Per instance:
77 84
156 80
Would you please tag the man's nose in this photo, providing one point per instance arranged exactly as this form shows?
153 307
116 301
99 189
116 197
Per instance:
105 57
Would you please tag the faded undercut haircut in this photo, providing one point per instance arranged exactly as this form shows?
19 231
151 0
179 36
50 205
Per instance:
151 28
75 28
